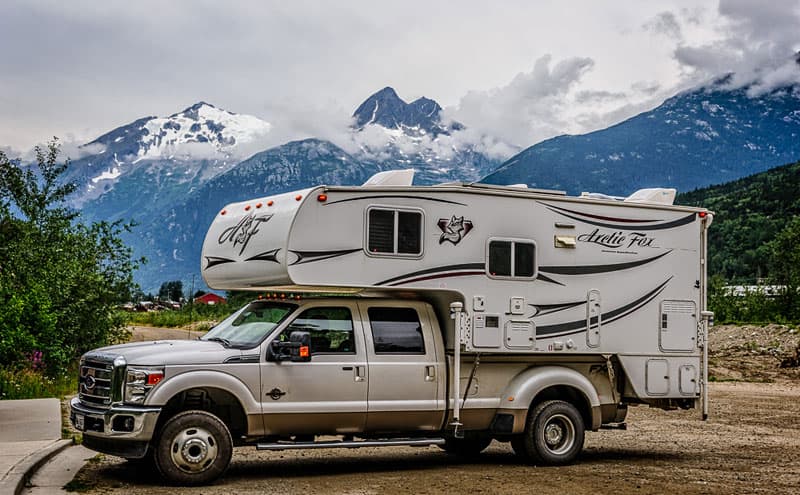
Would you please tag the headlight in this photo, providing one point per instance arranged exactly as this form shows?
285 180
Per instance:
139 382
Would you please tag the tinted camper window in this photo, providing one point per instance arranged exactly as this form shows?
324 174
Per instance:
396 331
512 259
394 232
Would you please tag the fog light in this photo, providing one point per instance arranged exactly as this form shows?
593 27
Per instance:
123 423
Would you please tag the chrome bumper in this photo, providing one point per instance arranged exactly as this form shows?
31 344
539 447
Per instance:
101 422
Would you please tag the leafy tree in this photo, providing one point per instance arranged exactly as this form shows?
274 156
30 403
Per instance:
171 291
785 268
60 279
199 293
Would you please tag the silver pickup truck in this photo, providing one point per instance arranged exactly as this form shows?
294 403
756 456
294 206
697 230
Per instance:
325 372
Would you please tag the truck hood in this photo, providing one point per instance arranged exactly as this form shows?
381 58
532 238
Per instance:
170 352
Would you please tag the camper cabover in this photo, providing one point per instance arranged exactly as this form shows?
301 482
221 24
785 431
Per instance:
451 315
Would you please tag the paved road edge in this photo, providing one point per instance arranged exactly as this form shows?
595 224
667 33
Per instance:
25 468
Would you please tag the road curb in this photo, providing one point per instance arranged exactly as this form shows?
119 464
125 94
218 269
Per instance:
22 472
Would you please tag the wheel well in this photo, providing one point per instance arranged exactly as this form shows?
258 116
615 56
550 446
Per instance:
567 394
218 402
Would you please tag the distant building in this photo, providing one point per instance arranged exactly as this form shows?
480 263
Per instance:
210 299
743 290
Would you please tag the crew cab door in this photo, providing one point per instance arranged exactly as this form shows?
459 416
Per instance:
405 356
327 394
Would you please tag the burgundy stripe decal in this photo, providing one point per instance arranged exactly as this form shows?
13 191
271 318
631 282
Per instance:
440 275
600 217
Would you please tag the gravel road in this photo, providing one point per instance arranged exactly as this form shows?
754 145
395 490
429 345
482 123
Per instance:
751 444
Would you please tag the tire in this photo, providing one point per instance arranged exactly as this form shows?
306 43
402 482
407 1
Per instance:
193 448
469 446
554 434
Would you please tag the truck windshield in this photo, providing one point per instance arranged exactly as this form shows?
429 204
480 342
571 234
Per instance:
248 326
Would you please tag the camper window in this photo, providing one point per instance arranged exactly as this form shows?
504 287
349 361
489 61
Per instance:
511 258
394 232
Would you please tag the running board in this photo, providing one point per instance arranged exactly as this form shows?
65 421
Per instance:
351 444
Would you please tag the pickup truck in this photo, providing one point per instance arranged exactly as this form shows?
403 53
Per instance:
291 371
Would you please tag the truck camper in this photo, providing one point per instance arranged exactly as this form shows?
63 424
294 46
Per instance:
391 314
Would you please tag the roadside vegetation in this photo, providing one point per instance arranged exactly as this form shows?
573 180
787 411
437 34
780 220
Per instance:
754 243
60 279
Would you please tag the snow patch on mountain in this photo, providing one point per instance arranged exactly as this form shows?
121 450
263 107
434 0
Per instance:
199 126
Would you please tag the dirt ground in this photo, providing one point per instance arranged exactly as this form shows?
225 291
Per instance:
750 444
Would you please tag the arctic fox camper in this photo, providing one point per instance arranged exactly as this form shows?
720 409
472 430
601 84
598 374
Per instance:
389 314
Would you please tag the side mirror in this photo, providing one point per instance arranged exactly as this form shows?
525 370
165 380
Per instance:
297 349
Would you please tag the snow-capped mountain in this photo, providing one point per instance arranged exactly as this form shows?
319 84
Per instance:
172 239
195 144
708 135
396 134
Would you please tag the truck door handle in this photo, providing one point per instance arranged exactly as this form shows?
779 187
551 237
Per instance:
359 374
430 373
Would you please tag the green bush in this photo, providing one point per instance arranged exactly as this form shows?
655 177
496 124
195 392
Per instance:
60 279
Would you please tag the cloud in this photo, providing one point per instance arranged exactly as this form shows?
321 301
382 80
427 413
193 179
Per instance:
529 108
755 42
665 24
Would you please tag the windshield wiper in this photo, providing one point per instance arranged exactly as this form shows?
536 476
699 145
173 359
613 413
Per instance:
224 342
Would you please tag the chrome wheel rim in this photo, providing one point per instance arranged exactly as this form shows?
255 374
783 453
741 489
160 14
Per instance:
194 450
559 434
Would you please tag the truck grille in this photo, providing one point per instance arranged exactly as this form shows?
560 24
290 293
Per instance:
95 383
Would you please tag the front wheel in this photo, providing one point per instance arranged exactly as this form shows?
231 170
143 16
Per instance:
193 448
553 434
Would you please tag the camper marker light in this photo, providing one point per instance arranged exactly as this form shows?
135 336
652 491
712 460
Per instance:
702 214
298 197
223 212
247 208
270 203
322 198
258 205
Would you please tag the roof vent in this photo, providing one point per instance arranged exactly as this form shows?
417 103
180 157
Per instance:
657 195
392 178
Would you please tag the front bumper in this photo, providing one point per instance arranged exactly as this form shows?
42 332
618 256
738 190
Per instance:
119 430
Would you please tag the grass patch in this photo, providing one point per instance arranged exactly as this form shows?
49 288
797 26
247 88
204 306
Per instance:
182 317
30 384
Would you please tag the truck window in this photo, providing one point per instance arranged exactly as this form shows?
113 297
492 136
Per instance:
331 330
394 232
511 259
396 331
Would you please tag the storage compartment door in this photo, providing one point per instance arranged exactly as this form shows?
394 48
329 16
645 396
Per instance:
486 330
688 379
657 377
520 334
678 326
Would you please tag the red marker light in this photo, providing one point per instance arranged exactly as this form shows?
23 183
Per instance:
702 214
322 198
270 203
154 378
298 197
223 212
258 205
247 208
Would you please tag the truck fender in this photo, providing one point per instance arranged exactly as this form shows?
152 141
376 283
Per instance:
524 388
204 379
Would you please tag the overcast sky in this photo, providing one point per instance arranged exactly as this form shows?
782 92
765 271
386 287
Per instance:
518 70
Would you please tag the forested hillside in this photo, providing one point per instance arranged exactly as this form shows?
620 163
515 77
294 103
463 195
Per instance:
750 212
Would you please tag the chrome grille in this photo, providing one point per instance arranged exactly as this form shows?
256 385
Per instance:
95 382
